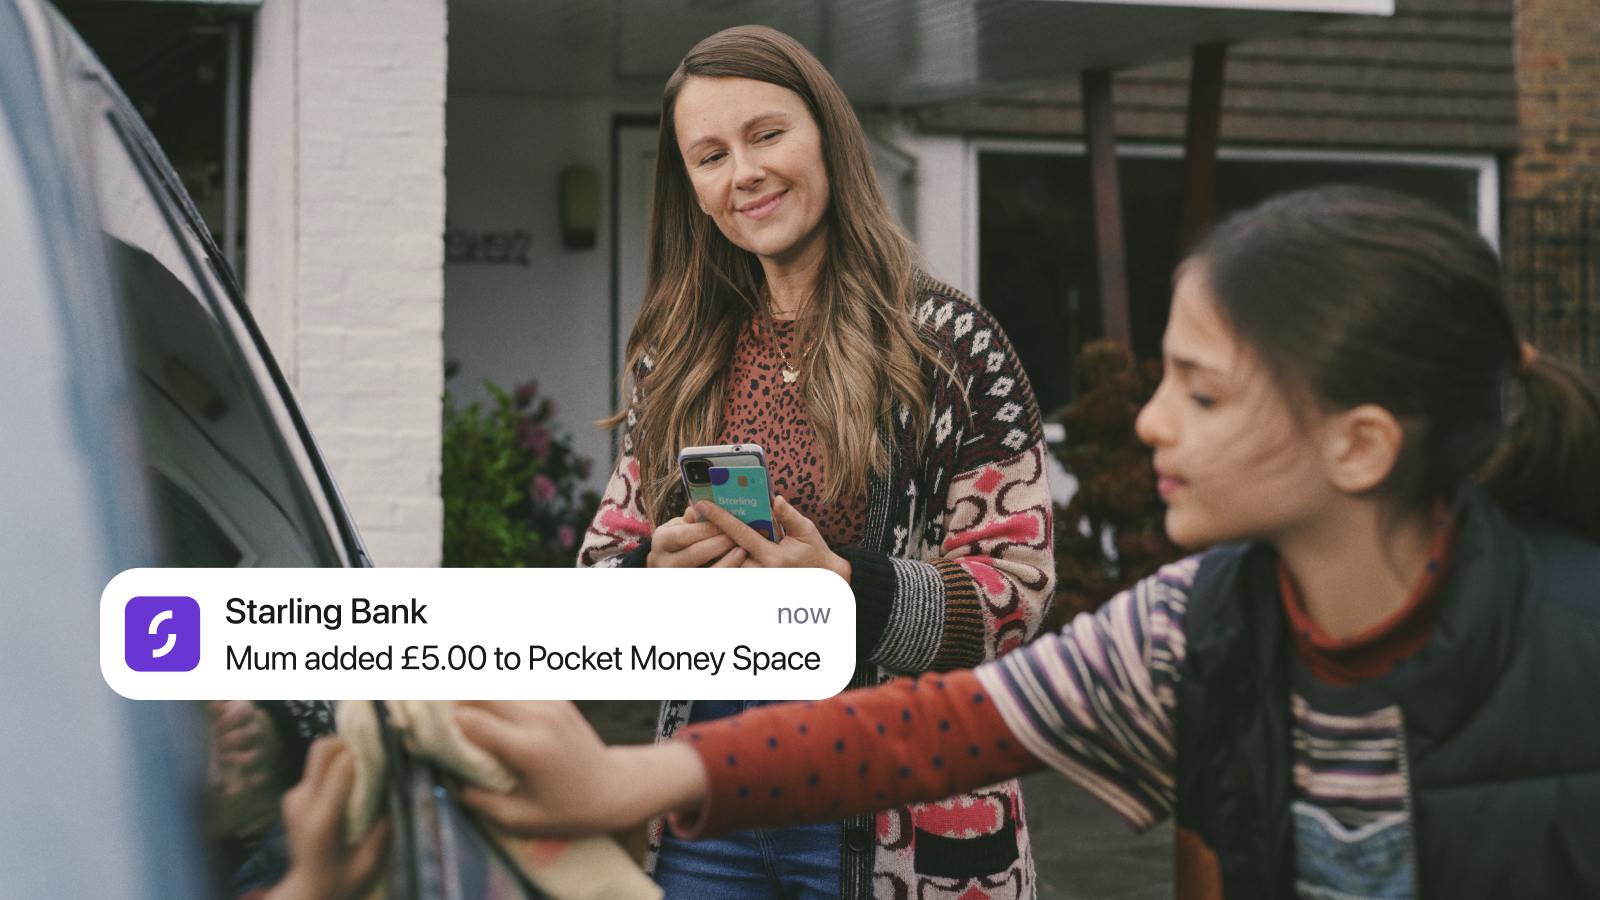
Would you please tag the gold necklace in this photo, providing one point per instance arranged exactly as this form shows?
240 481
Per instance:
790 373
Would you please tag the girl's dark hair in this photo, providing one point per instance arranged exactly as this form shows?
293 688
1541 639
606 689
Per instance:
1364 296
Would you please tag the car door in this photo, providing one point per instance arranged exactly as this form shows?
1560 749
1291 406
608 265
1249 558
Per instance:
146 424
97 789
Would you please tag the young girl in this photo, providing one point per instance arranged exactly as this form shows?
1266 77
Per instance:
783 308
1375 684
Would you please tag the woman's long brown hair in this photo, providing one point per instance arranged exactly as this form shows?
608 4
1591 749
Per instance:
864 349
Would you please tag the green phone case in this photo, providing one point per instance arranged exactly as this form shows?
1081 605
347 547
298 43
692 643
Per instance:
742 490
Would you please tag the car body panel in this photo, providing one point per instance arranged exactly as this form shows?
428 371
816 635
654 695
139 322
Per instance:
104 797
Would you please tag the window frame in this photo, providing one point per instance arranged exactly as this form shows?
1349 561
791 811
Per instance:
1485 165
315 491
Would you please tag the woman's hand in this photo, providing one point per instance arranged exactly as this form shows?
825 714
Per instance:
321 865
688 542
568 781
802 546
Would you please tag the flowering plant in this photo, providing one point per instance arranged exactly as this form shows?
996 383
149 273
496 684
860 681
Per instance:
1111 534
512 483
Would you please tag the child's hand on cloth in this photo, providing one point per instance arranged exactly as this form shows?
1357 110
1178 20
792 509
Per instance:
802 546
568 781
322 866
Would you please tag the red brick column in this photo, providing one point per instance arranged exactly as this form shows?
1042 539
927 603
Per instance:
1558 93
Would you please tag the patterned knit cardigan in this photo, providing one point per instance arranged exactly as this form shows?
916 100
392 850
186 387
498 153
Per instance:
955 566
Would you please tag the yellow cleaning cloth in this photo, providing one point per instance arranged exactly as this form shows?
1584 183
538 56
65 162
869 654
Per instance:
592 868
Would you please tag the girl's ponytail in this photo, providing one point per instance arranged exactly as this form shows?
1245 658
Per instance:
1363 296
1548 465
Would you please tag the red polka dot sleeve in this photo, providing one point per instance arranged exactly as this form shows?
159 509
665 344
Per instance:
907 741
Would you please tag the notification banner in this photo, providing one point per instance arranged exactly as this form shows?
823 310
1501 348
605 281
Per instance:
456 634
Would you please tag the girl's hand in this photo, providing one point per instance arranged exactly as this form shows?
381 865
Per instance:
802 546
568 781
687 542
245 756
322 866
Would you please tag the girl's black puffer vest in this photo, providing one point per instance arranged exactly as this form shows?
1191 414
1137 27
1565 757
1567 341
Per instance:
1501 716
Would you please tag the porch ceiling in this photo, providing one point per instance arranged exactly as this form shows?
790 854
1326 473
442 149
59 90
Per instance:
884 52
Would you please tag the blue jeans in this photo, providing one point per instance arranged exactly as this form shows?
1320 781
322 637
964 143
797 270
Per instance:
795 861
1373 861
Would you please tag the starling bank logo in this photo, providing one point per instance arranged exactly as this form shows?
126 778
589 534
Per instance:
162 634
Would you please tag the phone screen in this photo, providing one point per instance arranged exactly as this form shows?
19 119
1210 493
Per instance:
742 490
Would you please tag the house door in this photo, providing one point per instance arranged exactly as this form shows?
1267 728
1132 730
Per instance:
635 149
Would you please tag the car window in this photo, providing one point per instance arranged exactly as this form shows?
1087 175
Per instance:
227 488
229 477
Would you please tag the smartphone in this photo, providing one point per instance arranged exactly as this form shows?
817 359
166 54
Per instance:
743 491
695 465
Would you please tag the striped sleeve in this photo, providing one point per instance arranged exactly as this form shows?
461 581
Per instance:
915 616
1097 701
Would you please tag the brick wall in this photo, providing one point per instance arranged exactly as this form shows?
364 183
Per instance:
1558 93
345 261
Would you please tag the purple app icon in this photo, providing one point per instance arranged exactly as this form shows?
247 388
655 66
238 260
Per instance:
162 634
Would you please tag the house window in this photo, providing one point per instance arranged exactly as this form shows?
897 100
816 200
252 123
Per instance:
1037 269
185 66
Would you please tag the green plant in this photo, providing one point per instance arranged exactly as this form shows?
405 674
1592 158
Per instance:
511 483
1111 534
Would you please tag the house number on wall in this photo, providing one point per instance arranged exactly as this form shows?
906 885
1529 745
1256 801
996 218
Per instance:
508 247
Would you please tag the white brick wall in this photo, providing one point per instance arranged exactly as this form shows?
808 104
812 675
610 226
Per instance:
346 261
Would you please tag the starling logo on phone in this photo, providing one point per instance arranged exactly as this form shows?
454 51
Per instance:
742 490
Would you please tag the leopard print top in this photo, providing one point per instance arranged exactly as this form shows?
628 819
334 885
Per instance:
762 408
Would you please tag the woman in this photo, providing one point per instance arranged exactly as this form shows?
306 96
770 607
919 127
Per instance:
1376 685
783 308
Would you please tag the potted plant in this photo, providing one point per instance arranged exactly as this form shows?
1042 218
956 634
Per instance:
512 483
